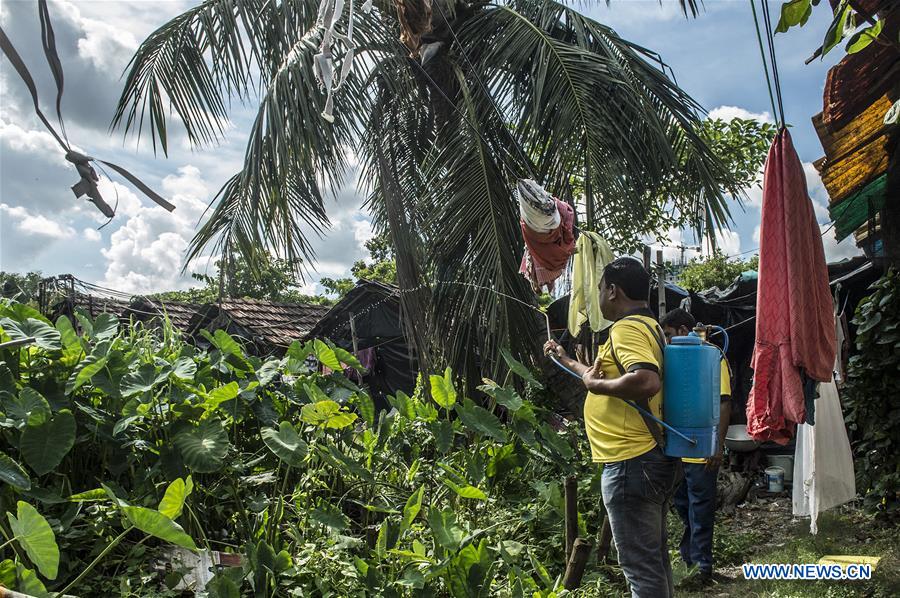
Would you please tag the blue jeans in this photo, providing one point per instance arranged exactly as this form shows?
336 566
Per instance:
695 502
636 494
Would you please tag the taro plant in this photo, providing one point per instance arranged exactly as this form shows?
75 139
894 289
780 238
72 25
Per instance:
118 443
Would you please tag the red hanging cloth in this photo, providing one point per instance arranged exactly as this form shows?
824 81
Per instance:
794 317
546 254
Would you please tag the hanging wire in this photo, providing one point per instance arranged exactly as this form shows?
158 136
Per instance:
764 59
770 35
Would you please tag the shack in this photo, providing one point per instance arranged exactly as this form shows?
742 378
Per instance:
367 321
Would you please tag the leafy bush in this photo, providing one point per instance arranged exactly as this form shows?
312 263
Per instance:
716 271
119 441
871 405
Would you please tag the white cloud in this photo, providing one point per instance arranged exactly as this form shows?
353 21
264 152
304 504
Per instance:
834 251
36 224
104 45
728 242
362 232
91 234
146 253
39 143
729 112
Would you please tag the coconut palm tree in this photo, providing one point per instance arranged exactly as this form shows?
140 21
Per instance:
447 103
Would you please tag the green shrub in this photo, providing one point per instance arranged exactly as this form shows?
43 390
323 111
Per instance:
871 400
118 441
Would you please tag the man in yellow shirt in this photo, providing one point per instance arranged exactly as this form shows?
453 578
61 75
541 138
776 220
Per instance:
638 479
695 499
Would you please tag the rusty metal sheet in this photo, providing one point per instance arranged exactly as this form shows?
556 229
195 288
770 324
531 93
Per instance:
842 141
849 173
857 81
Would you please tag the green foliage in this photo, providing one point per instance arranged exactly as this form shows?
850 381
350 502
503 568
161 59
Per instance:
34 534
845 22
24 288
296 471
871 408
266 277
716 271
742 144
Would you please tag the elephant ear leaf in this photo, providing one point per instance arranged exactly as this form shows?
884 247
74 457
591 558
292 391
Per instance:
36 536
204 447
156 524
12 473
286 444
46 444
172 502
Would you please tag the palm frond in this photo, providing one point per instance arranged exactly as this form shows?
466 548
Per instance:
197 61
591 105
475 243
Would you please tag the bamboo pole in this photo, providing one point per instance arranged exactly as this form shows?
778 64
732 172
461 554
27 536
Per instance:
571 487
661 282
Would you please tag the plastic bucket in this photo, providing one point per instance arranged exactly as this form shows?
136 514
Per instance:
786 462
775 479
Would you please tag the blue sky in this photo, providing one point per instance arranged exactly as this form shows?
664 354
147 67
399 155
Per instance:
42 227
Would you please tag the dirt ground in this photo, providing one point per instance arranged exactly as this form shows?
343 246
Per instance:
763 530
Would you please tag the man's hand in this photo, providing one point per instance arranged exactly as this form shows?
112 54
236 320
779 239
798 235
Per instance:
592 378
715 461
552 347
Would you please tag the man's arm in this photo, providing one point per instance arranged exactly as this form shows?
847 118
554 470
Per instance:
633 386
553 348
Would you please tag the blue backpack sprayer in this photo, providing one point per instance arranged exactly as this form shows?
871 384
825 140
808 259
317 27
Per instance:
691 393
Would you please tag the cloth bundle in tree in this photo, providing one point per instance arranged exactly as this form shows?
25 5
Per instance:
537 207
547 226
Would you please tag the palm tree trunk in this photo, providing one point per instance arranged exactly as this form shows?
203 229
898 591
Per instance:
414 293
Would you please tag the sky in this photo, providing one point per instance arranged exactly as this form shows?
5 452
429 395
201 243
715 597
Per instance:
43 227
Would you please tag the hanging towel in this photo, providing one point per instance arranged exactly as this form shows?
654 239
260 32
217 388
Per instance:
795 319
592 253
823 464
546 254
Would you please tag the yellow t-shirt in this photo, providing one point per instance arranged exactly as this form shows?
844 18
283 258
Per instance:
725 391
615 430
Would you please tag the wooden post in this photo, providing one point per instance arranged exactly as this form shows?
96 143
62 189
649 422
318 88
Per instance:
581 552
647 258
353 334
661 282
605 540
571 487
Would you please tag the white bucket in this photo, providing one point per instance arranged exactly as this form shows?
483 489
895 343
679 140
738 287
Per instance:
786 462
775 479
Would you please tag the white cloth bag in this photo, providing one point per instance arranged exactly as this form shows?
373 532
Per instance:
823 463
